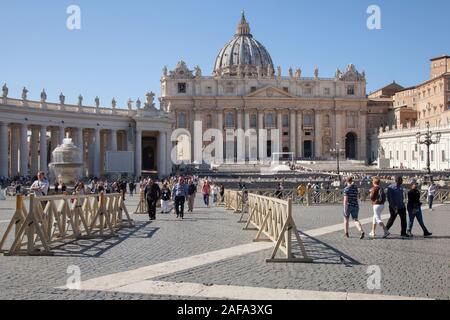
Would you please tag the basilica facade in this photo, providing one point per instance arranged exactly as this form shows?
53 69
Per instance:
314 115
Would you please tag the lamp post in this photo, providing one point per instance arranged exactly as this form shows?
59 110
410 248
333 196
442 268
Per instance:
427 139
337 153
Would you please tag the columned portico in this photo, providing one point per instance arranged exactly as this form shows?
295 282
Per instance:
15 143
293 131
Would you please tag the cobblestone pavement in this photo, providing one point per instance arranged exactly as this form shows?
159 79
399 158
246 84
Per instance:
410 268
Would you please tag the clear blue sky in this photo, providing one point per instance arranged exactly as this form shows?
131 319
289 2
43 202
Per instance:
123 45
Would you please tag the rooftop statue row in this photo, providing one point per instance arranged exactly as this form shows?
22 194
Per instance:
148 106
181 71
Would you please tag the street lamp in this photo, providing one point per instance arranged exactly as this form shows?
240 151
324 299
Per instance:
427 139
337 153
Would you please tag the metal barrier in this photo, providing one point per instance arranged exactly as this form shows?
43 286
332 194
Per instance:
273 219
50 220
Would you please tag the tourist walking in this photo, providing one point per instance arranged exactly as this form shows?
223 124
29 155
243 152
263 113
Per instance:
397 206
351 208
279 192
378 198
215 193
179 194
192 191
431 194
206 191
222 193
152 195
166 196
415 211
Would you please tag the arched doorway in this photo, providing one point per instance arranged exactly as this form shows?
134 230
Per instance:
350 146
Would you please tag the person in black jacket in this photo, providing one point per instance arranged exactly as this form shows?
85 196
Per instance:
152 195
415 211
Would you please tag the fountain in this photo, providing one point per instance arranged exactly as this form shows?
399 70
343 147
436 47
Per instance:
67 163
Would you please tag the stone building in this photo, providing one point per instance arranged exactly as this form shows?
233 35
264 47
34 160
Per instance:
412 110
246 92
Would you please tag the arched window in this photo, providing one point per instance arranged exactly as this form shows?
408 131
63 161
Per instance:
182 123
229 120
253 121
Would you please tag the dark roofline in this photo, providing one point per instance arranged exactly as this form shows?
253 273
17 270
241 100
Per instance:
439 58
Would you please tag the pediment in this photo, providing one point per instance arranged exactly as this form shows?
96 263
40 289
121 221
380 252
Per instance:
270 92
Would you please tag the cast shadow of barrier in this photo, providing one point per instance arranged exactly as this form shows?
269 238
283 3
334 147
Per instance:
96 247
323 253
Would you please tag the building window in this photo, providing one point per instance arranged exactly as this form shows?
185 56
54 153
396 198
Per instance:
398 155
307 91
182 123
405 157
307 120
413 156
270 121
421 155
390 155
286 89
351 120
351 90
252 89
181 87
326 91
432 155
326 121
443 156
253 121
208 121
229 120
285 121
208 90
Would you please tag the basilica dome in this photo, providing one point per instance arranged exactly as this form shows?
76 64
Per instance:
243 55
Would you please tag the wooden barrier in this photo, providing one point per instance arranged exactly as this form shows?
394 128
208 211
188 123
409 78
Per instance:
272 218
53 219
142 207
234 200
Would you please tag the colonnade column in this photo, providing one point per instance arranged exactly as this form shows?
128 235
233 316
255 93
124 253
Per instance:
80 138
43 149
34 146
24 150
62 135
97 156
300 135
169 147
138 154
15 133
293 131
280 132
114 140
4 137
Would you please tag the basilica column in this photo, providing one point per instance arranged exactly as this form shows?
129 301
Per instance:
363 136
162 154
220 128
138 154
300 134
246 131
24 150
34 146
240 137
43 152
280 132
97 153
293 131
318 135
15 134
262 138
4 137
114 140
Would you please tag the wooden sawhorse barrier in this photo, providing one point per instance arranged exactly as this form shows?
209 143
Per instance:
53 219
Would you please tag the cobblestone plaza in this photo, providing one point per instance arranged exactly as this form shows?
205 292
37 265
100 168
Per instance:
209 256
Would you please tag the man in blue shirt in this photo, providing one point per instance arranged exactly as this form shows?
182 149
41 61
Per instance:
395 197
179 194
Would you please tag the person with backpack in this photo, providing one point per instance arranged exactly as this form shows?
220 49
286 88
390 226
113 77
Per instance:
415 211
378 198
